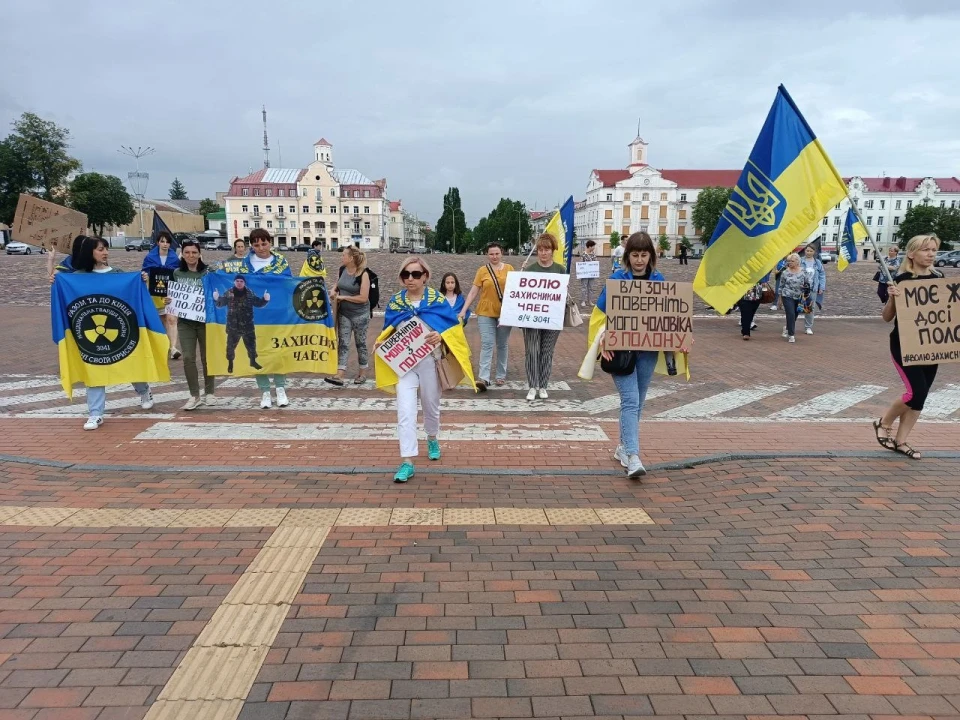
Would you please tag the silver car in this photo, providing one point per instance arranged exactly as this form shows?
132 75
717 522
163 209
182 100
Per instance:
19 248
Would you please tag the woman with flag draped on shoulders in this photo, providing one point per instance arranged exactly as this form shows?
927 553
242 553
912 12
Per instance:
163 256
433 310
632 370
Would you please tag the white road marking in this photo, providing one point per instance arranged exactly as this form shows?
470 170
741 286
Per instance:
710 407
37 382
942 403
369 386
15 400
830 403
605 403
502 432
131 399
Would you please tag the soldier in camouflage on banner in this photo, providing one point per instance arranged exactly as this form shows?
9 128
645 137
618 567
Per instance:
240 302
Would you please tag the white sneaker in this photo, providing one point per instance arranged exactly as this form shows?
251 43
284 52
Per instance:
621 455
265 400
282 398
784 333
809 331
791 339
208 400
146 401
582 304
532 394
753 326
773 307
93 422
543 394
635 468
192 404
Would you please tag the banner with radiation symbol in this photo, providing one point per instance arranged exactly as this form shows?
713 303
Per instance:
107 330
264 323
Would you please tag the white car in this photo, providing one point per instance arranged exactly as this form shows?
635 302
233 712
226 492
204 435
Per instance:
18 248
826 257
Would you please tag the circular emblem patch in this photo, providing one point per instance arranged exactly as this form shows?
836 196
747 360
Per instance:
105 328
315 261
310 300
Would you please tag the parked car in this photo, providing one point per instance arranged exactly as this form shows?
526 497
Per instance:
210 245
19 248
139 245
948 258
826 257
302 247
224 246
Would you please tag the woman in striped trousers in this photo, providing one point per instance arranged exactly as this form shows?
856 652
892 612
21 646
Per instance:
540 344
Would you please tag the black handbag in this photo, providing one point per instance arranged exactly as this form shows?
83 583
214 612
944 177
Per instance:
623 362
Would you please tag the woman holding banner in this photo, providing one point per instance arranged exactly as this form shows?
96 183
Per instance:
193 332
921 251
586 284
539 344
433 310
163 257
488 284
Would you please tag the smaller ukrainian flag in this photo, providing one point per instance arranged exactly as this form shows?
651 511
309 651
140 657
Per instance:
561 227
853 230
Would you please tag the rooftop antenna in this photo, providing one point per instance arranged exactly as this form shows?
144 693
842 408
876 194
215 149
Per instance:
638 126
266 145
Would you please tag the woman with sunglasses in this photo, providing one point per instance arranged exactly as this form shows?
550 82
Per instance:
163 256
264 260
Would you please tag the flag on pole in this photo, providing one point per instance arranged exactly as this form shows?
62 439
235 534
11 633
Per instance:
853 230
561 227
786 187
159 226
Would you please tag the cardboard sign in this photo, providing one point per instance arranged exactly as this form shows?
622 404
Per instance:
534 300
928 315
588 269
408 345
644 315
159 279
187 301
46 224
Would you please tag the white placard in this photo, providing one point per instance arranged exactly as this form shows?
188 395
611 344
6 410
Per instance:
534 300
187 301
588 269
406 347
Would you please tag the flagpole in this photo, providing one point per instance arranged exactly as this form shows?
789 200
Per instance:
884 270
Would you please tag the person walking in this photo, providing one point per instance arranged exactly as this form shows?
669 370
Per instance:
683 254
778 271
416 299
262 260
539 344
351 295
450 287
892 261
313 265
193 333
792 282
618 253
162 256
488 284
586 284
817 283
921 251
749 304
94 257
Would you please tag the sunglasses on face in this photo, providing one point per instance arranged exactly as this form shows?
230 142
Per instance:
415 274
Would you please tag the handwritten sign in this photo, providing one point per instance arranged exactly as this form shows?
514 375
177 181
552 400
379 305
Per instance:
408 345
159 277
46 224
644 315
928 316
534 300
187 301
588 269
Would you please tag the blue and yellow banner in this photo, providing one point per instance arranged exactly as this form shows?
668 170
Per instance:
263 323
107 330
313 265
561 227
853 230
786 187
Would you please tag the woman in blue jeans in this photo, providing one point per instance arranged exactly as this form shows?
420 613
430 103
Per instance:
639 263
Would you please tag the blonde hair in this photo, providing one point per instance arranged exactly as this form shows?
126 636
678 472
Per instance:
913 245
547 240
359 259
410 261
793 256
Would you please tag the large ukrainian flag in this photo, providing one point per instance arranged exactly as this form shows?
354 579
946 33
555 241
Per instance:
107 330
561 227
786 187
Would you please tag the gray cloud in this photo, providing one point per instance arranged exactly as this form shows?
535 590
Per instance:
500 98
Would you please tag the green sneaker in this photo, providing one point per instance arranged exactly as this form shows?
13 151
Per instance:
404 473
433 449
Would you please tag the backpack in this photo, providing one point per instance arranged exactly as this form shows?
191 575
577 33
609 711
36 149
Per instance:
373 297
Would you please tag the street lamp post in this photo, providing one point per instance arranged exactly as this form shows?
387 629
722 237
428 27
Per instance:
453 224
138 180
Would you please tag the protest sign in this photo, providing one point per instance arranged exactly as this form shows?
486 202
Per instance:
534 300
406 347
929 330
187 301
159 277
46 224
588 269
644 315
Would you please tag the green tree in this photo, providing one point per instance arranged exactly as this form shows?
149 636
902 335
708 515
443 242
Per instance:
663 244
920 219
177 190
707 210
208 206
41 145
948 228
614 240
103 199
429 237
15 178
452 224
686 243
508 223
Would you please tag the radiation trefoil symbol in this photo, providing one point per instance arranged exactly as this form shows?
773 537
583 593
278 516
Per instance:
105 329
310 300
100 330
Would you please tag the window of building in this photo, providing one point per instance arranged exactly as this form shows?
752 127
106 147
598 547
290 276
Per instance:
356 193
280 192
626 196
909 204
322 225
663 196
883 204
826 221
366 226
838 206
293 224
880 220
683 197
607 229
256 192
645 196
245 192
333 192
244 208
943 203
868 204
269 223
366 193
878 237
306 224
269 192
663 212
256 223
333 209
246 223
834 237
269 208
644 212
953 204
304 192
366 209
869 219
333 226
626 212
896 219
608 214
306 209
356 209
836 221
293 209
609 197
896 205
681 230
256 209
682 215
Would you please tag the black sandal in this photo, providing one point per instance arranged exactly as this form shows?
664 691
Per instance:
481 386
885 442
334 381
905 449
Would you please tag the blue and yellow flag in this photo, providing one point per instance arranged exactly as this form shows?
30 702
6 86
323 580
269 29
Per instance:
853 230
266 323
786 187
561 227
313 265
107 330
438 315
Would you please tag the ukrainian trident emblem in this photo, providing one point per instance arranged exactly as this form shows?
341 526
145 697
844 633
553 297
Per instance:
756 206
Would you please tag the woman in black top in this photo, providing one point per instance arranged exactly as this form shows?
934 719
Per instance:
921 251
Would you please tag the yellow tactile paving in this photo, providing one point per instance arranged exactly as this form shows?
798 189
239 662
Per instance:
624 516
416 516
311 517
297 537
252 625
96 518
208 517
42 516
364 517
257 517
260 588
469 516
572 516
296 559
9 511
520 516
215 673
195 710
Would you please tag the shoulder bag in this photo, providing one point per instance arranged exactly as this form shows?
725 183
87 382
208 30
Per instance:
624 362
496 282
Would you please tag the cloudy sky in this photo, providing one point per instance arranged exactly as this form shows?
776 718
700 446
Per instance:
516 98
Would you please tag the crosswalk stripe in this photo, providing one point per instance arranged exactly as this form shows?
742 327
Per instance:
370 386
131 400
16 400
605 403
270 432
708 408
37 382
829 403
942 403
